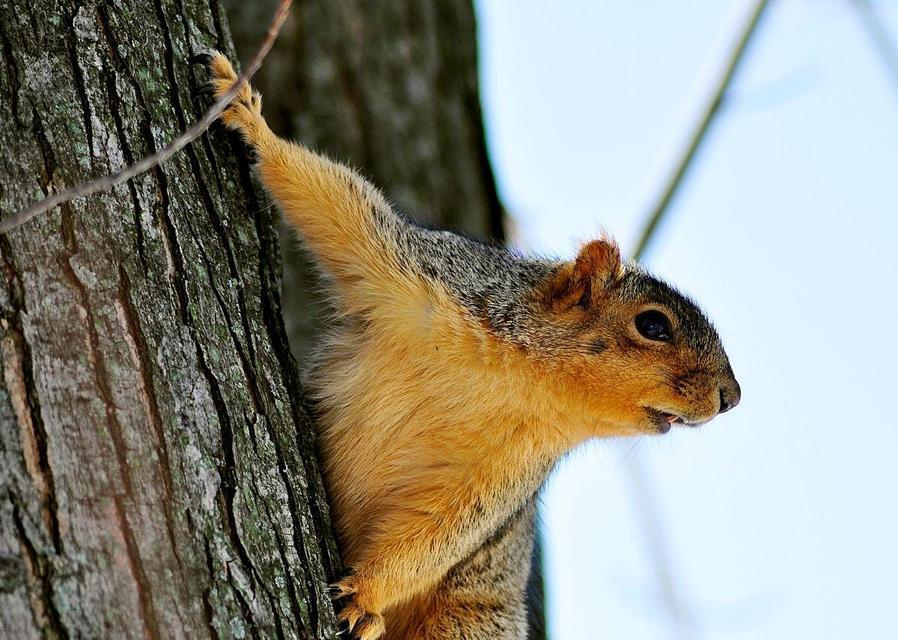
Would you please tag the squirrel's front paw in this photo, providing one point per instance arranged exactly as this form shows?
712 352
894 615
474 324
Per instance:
354 618
246 107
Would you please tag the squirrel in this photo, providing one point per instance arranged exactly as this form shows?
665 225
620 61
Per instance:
454 378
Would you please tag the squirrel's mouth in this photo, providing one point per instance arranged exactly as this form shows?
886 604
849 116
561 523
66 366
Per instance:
663 420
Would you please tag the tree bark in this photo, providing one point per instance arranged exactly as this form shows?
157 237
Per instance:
157 469
390 88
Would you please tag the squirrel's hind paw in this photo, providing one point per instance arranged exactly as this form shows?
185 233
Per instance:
361 624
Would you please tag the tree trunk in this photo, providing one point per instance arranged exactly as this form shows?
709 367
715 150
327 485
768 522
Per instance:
391 88
157 469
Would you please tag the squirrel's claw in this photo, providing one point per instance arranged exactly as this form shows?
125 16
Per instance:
203 58
369 627
341 589
362 624
205 89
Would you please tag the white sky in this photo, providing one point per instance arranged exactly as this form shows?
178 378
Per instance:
780 517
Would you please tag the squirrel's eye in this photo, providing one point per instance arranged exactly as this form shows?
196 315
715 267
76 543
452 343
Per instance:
654 325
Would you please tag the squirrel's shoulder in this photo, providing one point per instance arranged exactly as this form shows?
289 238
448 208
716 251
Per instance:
490 281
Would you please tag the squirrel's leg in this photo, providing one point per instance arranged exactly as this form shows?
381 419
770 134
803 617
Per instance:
411 555
344 220
484 593
482 598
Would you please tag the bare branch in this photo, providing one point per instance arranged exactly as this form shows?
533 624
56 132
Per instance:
652 528
147 163
700 134
880 37
682 622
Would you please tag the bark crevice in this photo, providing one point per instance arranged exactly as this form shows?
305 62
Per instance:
15 83
142 361
20 383
144 592
78 79
38 570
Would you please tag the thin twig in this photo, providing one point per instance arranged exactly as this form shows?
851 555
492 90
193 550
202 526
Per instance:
880 36
700 134
678 611
682 622
147 163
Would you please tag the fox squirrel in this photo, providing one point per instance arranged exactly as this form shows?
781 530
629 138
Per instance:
455 378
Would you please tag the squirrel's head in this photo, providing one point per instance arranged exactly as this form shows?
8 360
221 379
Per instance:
638 355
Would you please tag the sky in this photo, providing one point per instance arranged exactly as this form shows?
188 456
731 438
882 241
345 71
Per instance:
779 519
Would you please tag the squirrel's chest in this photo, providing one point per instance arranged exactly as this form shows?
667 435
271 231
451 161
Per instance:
440 413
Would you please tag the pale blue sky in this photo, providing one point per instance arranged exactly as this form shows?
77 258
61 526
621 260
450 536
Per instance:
780 517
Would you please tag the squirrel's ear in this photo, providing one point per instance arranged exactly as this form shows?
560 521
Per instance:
579 282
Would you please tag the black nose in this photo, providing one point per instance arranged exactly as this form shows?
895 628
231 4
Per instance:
730 394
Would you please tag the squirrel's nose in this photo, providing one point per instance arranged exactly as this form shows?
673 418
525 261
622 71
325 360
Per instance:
730 394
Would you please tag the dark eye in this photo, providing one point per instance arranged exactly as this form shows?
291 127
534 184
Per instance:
654 325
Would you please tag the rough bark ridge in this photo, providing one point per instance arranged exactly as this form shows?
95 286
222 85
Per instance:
157 478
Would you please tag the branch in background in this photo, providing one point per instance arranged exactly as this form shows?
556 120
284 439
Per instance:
700 134
880 37
681 620
671 599
147 163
